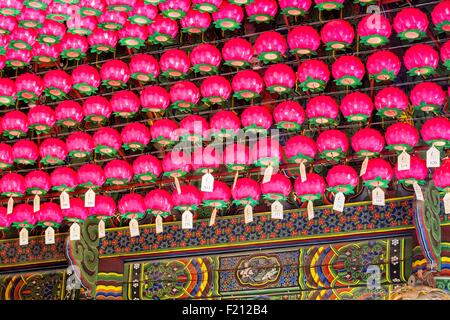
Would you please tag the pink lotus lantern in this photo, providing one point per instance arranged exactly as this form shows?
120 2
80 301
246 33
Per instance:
237 52
294 7
50 215
215 90
7 92
103 40
219 197
445 54
59 12
79 144
329 5
31 18
163 132
53 151
441 16
436 132
68 113
74 46
205 59
247 84
12 185
163 30
112 20
23 216
135 136
401 137
260 11
246 191
142 13
174 9
115 74
193 128
133 36
270 46
120 5
144 67
5 219
14 124
206 160
107 141
37 182
184 95
266 152
105 207
10 7
176 164
96 109
322 110
228 17
391 102
125 104
154 99
289 115
189 198
17 58
86 79
174 63
77 212
342 178
383 65
80 25
427 97
118 172
300 149
313 188
236 157
313 75
63 178
256 119
25 152
374 30
368 142
41 119
158 202
332 144
146 168
417 172
277 189
43 53
356 106
51 32
410 24
348 71
337 35
206 5
6 157
303 40
22 39
279 78
7 24
441 177
57 84
90 176
29 87
378 173
421 60
224 124
195 22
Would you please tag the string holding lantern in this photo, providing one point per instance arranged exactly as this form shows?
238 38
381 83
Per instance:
14 124
356 106
41 119
247 84
313 75
158 202
215 90
6 157
277 189
261 11
427 97
51 32
348 71
206 5
337 35
118 172
303 40
342 178
256 119
64 179
310 190
42 53
322 110
97 109
12 185
194 128
270 46
86 79
133 36
143 13
378 173
74 46
237 53
195 22
8 92
80 25
107 141
53 151
163 132
184 95
37 182
174 9
224 124
294 8
115 74
329 5
374 30
205 59
236 157
163 30
383 65
90 176
436 132
125 104
417 172
25 152
367 142
57 84
279 78
146 168
410 24
246 192
174 63
332 144
401 137
228 16
102 41
29 87
289 115
135 136
79 144
112 20
154 99
68 114
49 215
144 67
391 102
421 60
440 16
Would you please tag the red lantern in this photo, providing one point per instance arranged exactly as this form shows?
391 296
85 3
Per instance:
118 172
247 84
53 151
103 40
322 110
313 75
25 152
50 215
7 92
294 7
142 13
289 115
59 12
224 124
107 141
206 5
428 97
188 199
14 124
133 36
270 46
96 109
436 132
43 53
348 71
135 136
256 119
146 168
411 24
219 197
112 20
184 95
261 10
391 102
12 185
158 202
41 119
266 152
176 164
57 84
195 22
332 144
29 87
421 60
51 32
279 78
90 176
311 189
74 46
86 79
10 7
125 104
163 30
22 39
37 182
194 128
174 63
277 189
105 207
23 216
367 142
64 178
174 9
228 17
356 106
441 177
31 18
205 58
378 173
236 157
417 172
237 52
215 90
303 40
79 144
342 178
7 24
329 5
82 26
115 74
383 65
441 16
401 137
337 35
163 132
77 212
68 113
300 149
206 160
374 30
154 99
17 58
144 67
246 191
6 157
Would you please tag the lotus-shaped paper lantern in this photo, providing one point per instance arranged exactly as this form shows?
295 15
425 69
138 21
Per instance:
174 9
374 30
313 75
215 90
266 152
5 219
51 32
144 67
188 199
77 211
105 207
176 163
103 40
163 132
441 177
219 197
237 52
311 189
289 115
125 104
224 124
17 58
41 119
90 175
342 178
115 74
436 131
367 142
29 87
146 168
378 173
12 185
247 84
31 18
6 157
421 60
22 39
133 36
14 124
337 35
410 24
401 137
427 97
43 53
64 178
440 15
417 172
322 110
112 20
383 65
57 84
228 17
303 40
118 172
154 99
107 141
86 79
195 22
80 25
205 58
194 128
270 46
135 136
356 106
53 151
50 215
332 144
143 13
60 12
7 92
74 46
37 182
163 30
256 119
25 152
348 71
96 109
23 216
158 202
236 157
184 95
11 7
79 144
391 102
246 191
279 78
68 113
277 189
300 149
174 63
206 5
294 7
206 160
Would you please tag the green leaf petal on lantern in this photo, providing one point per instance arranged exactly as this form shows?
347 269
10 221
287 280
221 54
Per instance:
227 24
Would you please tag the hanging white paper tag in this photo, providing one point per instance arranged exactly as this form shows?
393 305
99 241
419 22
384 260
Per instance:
207 182
75 232
302 172
433 158
187 221
364 166
212 220
158 224
418 191
89 199
64 200
177 185
49 235
101 229
23 237
248 214
339 200
310 209
235 179
277 210
404 161
10 207
378 197
134 228
268 174
447 203
36 203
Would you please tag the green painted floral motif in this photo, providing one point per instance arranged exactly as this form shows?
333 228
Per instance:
80 31
14 134
322 121
367 153
236 167
40 128
35 4
175 173
281 90
37 191
205 7
213 100
30 24
183 208
55 93
9 12
116 182
300 158
43 59
105 150
163 141
265 162
27 96
163 214
24 161
439 143
303 51
125 114
79 154
22 224
4 165
173 74
310 197
237 63
241 2
364 2
19 45
256 129
7 100
183 105
120 8
58 17
67 123
95 118
193 30
62 188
